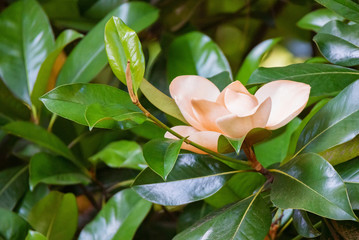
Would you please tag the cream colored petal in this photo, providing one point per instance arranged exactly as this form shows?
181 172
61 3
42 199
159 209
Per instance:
239 103
185 88
206 139
288 100
208 112
235 126
236 86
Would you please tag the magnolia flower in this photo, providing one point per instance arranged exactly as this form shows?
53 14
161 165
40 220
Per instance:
234 111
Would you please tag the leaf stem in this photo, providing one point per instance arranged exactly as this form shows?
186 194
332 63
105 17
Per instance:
51 123
34 116
135 101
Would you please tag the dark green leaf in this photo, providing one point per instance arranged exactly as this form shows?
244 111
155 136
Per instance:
40 136
119 218
83 65
336 78
317 19
45 168
42 79
334 124
254 58
196 54
346 8
221 80
26 40
161 155
310 183
343 152
100 104
55 216
161 100
303 225
247 219
338 43
191 214
12 226
13 185
32 235
122 153
122 45
194 177
30 199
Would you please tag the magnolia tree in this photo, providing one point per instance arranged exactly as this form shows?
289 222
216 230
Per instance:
268 154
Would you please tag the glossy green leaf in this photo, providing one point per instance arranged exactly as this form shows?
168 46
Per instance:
42 79
161 100
247 219
191 214
161 155
338 43
127 154
55 216
10 106
226 144
303 224
26 39
194 177
13 185
349 171
336 78
254 58
195 54
45 168
30 199
221 80
12 226
310 183
119 218
94 104
346 8
32 235
317 19
83 65
41 137
122 45
334 124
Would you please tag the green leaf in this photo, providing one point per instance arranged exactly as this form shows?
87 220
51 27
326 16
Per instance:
90 104
221 80
196 54
336 78
317 19
194 177
349 171
226 144
26 39
119 218
247 219
30 199
10 106
254 58
338 43
161 100
191 214
161 155
83 65
346 8
119 154
32 235
42 79
13 185
55 216
41 137
12 226
45 168
303 225
334 124
310 183
122 45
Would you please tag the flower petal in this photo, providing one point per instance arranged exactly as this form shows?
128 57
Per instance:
235 126
206 139
207 113
236 86
288 100
185 88
239 103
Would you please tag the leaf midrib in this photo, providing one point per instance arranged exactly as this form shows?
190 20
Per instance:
13 178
